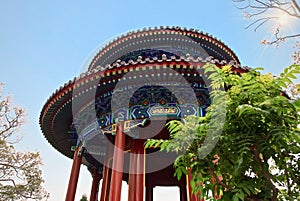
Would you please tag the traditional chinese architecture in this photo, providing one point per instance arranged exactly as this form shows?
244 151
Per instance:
131 88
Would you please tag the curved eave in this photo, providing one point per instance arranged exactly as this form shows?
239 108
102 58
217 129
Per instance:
56 116
58 137
203 38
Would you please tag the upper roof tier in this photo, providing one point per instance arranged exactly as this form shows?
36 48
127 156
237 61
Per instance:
171 41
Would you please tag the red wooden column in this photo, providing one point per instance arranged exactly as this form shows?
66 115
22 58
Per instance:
95 185
107 172
191 195
74 173
106 185
137 172
118 162
132 176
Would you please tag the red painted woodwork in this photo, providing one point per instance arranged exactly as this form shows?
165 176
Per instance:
74 174
95 186
106 184
107 173
137 172
132 177
191 195
118 162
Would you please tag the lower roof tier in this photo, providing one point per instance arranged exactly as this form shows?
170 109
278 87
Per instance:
141 90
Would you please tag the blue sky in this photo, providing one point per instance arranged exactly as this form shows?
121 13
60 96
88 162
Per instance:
43 44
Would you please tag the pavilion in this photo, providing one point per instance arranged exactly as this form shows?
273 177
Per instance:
131 88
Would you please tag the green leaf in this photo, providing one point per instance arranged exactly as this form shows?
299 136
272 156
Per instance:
281 84
210 68
297 103
247 191
257 69
287 80
241 195
291 75
178 173
238 164
235 198
285 70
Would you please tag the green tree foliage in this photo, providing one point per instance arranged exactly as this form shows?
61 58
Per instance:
84 198
257 154
20 174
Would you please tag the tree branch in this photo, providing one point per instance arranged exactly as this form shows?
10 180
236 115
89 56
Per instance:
266 175
264 20
296 5
259 7
281 39
215 176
